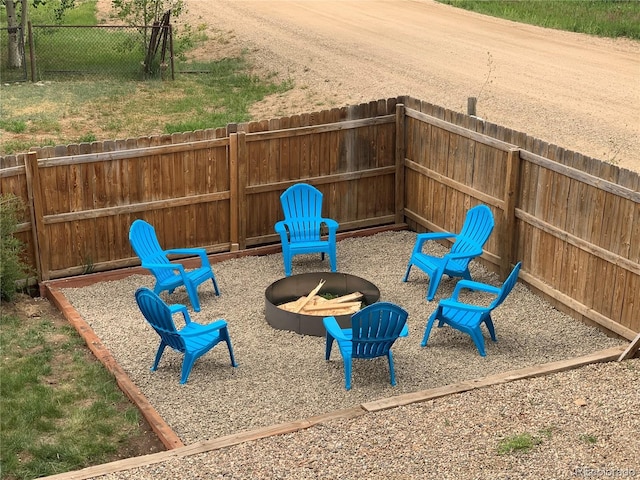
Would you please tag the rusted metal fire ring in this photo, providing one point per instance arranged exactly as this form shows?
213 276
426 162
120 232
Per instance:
291 288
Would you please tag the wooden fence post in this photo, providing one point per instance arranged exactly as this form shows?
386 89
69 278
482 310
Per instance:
40 243
233 192
400 155
242 189
173 71
32 52
471 106
509 213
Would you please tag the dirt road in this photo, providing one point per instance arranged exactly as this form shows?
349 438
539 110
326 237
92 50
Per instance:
577 91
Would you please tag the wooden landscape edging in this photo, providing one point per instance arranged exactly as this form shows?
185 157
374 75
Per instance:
607 355
631 349
167 436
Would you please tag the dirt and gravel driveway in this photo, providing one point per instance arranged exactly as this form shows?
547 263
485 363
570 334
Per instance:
577 91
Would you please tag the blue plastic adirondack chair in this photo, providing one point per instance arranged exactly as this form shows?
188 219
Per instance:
300 231
169 275
468 318
467 245
374 329
193 340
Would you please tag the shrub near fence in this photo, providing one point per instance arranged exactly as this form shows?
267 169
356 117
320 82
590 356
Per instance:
573 221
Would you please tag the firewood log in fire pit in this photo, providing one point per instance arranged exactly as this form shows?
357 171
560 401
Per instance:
314 304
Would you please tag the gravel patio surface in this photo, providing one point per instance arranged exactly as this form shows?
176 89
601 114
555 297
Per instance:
282 376
581 423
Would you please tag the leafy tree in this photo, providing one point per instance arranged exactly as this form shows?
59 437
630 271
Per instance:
142 13
14 56
18 15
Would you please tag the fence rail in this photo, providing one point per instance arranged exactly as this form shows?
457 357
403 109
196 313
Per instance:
572 220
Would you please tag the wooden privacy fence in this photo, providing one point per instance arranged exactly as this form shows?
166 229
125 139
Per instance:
573 221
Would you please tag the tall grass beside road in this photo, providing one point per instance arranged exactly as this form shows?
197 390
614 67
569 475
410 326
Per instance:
604 18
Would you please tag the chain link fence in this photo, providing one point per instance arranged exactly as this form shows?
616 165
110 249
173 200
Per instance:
13 63
57 52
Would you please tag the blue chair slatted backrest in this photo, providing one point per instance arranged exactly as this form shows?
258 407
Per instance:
468 317
144 242
376 328
170 275
478 224
302 208
193 340
158 314
507 286
466 245
475 232
302 228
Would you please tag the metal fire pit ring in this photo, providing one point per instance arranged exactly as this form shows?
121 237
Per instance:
291 288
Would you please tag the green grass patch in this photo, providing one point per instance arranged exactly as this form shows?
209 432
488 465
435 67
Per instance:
106 109
83 13
221 93
328 296
605 18
520 443
88 51
13 126
61 410
587 438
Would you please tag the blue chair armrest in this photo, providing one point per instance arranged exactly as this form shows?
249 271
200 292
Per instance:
331 224
283 231
179 308
201 252
333 329
210 327
280 227
422 238
461 306
473 286
169 266
471 253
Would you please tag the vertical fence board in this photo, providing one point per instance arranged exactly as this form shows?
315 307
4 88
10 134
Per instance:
400 175
233 192
37 200
242 195
631 303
